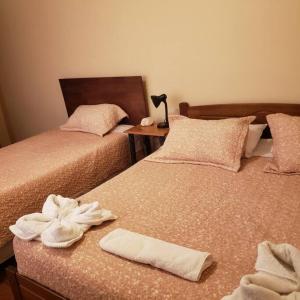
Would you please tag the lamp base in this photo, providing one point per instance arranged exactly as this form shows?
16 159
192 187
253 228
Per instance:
163 125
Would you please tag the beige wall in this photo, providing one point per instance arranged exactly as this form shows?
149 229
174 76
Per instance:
212 51
4 135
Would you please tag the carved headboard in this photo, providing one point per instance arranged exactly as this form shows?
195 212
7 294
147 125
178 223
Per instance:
127 92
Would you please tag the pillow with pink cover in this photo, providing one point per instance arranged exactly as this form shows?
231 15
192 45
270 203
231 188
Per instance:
285 131
97 119
217 143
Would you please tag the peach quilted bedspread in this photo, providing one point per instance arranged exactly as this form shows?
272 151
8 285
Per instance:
55 162
201 207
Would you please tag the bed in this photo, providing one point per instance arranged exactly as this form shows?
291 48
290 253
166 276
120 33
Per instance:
201 207
64 162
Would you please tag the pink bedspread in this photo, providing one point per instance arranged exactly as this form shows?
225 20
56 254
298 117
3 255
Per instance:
55 162
205 208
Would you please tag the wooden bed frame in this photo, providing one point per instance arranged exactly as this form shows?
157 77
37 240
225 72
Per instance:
126 92
27 289
222 111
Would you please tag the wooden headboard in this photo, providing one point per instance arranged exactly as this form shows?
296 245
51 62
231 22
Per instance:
222 111
127 92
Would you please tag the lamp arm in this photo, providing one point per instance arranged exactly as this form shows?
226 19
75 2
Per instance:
166 111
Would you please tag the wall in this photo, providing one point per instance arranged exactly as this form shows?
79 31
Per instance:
4 135
200 51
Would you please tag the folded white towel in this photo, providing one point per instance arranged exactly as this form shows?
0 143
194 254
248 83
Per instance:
69 229
57 206
89 214
61 223
62 234
30 226
277 277
181 261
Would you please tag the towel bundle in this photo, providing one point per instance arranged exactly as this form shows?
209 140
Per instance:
62 222
277 277
181 261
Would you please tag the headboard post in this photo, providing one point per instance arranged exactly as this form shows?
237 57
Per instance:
183 108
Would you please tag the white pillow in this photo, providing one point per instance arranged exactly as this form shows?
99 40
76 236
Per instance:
264 148
98 119
254 134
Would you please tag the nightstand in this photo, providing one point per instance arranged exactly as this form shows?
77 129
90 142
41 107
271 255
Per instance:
146 132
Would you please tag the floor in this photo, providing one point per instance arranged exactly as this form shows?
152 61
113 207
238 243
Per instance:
5 292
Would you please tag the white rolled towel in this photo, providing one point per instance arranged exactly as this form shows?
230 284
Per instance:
181 261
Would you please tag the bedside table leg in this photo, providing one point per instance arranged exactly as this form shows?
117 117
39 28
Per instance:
147 145
162 140
132 148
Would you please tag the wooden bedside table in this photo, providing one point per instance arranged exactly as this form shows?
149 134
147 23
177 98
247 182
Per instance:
146 132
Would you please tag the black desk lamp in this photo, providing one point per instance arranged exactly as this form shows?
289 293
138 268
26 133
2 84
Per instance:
156 101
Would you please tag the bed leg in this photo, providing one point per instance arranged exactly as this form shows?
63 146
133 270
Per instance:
13 282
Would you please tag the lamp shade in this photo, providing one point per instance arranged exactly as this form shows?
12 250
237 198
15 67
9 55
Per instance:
158 99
